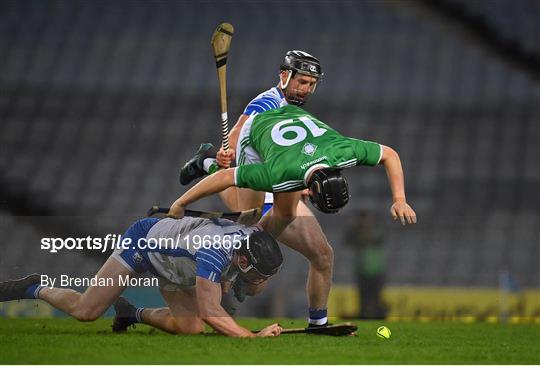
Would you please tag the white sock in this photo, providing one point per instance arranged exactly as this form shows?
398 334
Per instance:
138 315
207 163
320 321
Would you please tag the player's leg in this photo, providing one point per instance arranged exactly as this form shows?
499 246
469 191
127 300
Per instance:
89 305
182 315
122 264
282 214
230 198
248 199
304 234
127 314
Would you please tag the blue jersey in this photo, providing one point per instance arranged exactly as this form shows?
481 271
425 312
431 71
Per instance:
273 98
175 250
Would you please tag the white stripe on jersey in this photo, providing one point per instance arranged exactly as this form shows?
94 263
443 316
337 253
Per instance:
212 264
287 183
269 99
222 254
288 187
219 260
348 162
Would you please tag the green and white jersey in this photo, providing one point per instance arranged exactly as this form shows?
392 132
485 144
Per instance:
281 147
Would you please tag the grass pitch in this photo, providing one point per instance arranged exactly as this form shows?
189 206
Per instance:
66 341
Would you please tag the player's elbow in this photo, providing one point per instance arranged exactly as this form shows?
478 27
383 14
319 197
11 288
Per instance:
388 154
182 327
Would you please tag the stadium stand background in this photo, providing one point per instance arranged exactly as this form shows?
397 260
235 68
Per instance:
101 103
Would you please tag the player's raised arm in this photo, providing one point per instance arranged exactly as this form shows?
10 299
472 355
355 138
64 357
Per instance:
400 209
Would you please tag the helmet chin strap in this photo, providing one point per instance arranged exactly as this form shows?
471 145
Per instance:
284 86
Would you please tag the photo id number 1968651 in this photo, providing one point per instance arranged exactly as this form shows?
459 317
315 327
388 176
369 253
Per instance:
214 241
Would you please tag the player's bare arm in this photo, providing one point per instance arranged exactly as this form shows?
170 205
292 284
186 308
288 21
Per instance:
214 183
212 313
400 209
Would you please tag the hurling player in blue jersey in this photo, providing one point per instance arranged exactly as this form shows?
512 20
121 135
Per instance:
298 78
190 276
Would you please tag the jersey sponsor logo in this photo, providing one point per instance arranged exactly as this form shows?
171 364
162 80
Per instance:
309 149
310 163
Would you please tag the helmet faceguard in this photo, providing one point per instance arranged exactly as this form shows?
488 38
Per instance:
299 62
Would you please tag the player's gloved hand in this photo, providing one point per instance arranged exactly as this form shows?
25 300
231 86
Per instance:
240 289
400 209
270 331
225 158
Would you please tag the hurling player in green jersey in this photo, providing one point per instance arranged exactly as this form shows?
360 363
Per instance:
297 151
290 144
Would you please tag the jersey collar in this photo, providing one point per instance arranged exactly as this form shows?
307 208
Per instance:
280 92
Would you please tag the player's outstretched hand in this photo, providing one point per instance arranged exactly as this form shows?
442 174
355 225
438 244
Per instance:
270 331
405 213
176 211
225 158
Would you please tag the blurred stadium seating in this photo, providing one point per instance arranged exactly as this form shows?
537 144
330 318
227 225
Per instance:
101 102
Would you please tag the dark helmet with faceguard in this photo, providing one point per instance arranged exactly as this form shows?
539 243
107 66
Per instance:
300 62
262 252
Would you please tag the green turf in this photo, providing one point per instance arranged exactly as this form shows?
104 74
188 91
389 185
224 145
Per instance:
65 341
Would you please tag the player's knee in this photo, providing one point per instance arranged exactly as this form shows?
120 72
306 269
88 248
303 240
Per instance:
189 328
86 314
